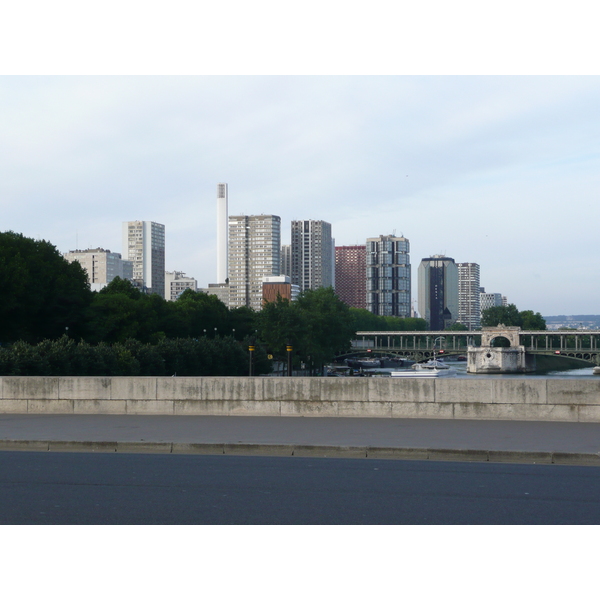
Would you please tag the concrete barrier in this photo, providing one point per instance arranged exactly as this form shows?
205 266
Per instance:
536 399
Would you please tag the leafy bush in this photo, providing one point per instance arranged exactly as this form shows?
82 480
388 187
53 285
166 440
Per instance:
182 357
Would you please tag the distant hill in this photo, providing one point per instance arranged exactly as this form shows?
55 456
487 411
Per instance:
574 321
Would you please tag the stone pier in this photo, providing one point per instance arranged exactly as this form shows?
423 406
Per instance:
491 358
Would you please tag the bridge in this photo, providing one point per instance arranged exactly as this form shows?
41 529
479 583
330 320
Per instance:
579 345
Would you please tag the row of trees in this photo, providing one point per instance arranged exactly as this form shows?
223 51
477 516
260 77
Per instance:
130 333
511 316
181 357
120 311
43 297
365 320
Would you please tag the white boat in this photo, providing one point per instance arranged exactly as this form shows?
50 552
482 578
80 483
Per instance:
425 372
432 363
434 367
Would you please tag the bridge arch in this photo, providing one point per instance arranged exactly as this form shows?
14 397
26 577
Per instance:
500 341
511 334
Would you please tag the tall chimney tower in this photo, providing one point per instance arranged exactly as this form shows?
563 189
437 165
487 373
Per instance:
222 231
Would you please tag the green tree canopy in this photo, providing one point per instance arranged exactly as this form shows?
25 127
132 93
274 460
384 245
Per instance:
122 286
201 313
120 311
318 325
365 320
281 323
505 315
532 321
328 325
242 321
41 293
511 317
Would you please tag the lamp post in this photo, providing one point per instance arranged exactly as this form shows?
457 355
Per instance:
442 339
250 360
289 349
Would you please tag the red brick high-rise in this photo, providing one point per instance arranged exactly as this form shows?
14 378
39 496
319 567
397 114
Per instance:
351 275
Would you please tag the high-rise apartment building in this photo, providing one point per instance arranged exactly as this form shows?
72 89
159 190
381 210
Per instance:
144 246
220 290
176 283
490 299
388 276
286 260
101 266
312 255
438 291
469 311
351 275
254 253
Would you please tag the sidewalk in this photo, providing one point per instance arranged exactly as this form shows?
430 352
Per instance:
421 439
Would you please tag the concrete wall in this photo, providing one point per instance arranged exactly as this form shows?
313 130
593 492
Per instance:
540 399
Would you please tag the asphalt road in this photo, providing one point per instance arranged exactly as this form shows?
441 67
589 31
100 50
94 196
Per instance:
88 488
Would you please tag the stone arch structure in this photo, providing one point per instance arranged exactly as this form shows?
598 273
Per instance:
494 359
488 334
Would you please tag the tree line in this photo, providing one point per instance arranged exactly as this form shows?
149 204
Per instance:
52 323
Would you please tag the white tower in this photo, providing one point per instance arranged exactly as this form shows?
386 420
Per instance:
222 232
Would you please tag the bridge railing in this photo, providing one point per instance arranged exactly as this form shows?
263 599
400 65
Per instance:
409 341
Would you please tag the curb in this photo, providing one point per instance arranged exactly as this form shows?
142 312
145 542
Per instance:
316 451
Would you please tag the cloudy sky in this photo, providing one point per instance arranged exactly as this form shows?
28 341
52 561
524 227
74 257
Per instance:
495 169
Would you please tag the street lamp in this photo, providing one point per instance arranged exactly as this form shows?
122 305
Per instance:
251 360
289 350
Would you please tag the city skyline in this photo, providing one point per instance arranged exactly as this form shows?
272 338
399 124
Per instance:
478 168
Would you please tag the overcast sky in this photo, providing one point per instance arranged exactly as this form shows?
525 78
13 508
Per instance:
500 170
